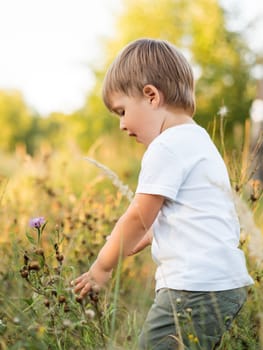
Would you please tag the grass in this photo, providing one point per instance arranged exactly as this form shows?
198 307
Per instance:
81 205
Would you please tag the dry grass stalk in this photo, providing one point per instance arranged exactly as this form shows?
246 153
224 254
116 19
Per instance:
249 229
124 189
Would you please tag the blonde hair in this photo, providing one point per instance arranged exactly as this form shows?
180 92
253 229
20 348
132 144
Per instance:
155 62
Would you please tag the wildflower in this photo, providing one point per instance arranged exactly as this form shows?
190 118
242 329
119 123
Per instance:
222 111
37 222
67 323
90 314
41 331
178 300
192 338
16 320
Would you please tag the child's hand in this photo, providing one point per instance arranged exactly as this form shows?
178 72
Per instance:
144 242
95 277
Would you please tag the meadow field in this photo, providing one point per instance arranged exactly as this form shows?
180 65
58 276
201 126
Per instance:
80 202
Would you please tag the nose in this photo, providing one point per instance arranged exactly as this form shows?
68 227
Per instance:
122 125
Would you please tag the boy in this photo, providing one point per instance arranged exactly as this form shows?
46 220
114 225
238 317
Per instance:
184 193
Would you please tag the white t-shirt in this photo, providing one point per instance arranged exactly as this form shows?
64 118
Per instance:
196 233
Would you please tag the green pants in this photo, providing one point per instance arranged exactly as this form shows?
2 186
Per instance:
196 319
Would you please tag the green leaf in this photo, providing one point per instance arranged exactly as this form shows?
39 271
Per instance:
28 301
43 227
30 238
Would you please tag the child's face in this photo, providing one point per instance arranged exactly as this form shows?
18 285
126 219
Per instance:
139 117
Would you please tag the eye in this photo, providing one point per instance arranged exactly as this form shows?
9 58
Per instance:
121 112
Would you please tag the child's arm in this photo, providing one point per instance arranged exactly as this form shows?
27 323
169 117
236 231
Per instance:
144 242
127 233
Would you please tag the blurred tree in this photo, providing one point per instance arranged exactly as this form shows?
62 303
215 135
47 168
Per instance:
53 130
16 121
221 59
21 125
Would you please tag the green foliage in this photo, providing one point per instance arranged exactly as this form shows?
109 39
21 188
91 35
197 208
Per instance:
218 55
16 120
23 127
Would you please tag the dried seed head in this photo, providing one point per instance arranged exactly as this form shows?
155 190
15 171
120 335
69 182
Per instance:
93 296
46 303
57 270
95 289
90 314
24 273
16 320
79 299
66 308
39 251
67 323
54 293
26 258
253 197
34 265
59 257
61 299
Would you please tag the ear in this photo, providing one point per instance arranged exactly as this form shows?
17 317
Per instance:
153 95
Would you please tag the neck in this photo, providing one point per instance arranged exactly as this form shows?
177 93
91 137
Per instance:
175 118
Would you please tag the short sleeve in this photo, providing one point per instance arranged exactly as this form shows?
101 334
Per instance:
162 172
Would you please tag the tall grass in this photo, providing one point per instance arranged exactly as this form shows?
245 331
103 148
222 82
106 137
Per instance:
81 205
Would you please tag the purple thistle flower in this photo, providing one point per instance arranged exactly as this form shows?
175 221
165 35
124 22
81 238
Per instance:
37 222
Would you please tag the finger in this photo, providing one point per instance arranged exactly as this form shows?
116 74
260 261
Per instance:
79 279
80 285
132 252
85 290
